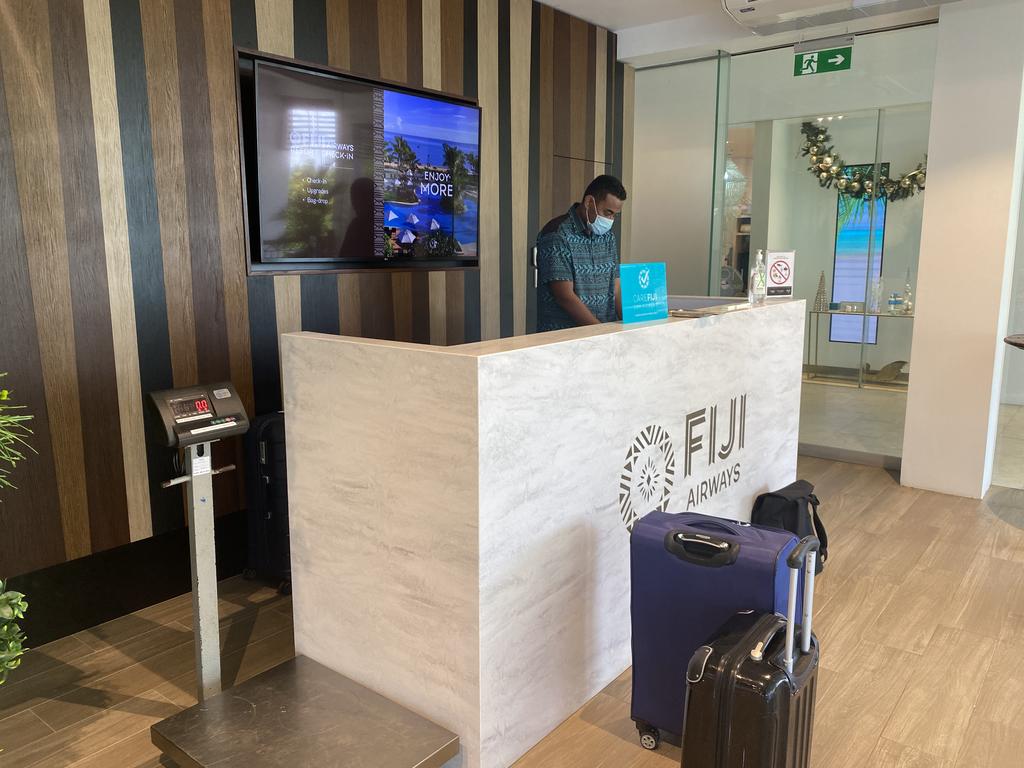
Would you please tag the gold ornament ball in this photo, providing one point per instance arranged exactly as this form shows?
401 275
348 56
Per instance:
821 137
826 160
855 187
834 170
823 176
843 183
814 159
905 183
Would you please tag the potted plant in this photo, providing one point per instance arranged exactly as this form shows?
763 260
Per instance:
13 431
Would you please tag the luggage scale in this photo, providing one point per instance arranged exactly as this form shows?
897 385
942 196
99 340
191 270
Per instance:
189 419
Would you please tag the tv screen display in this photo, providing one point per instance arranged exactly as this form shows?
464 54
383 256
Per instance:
351 174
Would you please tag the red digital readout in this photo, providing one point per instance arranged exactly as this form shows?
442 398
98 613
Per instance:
202 406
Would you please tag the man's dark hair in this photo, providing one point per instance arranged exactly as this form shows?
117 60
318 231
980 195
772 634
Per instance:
605 185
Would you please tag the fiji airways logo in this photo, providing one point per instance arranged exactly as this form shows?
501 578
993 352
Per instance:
644 278
646 481
714 434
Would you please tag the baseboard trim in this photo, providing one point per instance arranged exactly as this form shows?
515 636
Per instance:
890 463
69 597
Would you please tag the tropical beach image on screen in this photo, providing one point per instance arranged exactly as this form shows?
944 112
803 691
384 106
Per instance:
431 177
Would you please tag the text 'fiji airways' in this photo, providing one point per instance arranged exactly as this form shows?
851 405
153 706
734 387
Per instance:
706 436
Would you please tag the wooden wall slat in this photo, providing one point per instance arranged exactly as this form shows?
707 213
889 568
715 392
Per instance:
103 453
275 26
109 161
28 75
561 186
600 93
578 115
487 95
33 536
213 363
628 84
212 349
452 42
546 117
591 109
339 53
147 270
169 166
220 71
519 68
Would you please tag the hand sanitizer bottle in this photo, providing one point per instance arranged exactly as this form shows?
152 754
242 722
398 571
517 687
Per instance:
758 287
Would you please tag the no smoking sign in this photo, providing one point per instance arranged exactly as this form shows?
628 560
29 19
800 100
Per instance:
780 273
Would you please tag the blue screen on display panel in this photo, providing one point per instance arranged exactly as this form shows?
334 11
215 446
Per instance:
850 279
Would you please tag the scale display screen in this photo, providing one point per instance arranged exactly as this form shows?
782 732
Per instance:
188 407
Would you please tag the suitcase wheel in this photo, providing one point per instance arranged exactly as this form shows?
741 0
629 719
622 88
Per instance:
284 588
649 738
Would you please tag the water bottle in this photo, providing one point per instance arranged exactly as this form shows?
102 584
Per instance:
758 287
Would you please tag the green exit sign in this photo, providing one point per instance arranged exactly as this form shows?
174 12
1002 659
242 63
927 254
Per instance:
816 62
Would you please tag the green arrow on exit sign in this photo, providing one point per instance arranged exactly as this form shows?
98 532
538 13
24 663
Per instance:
816 62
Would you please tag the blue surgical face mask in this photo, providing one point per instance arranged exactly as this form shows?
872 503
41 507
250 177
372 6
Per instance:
601 225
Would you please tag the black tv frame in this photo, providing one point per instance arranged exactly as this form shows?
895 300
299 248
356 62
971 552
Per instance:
247 154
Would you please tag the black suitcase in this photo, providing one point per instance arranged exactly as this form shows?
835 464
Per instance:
269 555
750 697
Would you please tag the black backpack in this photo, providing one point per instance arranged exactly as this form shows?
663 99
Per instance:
793 508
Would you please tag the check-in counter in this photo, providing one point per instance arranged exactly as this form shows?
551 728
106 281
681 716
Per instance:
460 515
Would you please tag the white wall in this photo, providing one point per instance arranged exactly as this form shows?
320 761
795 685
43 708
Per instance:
674 137
968 241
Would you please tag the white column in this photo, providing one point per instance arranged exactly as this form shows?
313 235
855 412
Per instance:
968 240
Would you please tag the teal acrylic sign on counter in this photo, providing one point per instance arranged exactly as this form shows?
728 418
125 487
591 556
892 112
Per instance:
644 292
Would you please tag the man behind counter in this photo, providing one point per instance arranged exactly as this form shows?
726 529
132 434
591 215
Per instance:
578 261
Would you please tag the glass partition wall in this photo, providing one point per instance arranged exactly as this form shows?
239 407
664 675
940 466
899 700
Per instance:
839 180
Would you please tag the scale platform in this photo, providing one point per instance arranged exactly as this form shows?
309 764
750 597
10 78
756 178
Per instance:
302 713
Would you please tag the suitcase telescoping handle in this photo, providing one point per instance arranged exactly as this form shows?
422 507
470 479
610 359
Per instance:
800 557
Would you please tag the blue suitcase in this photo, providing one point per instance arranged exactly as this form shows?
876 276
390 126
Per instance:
690 574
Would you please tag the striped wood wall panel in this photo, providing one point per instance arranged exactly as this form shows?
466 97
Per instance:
124 268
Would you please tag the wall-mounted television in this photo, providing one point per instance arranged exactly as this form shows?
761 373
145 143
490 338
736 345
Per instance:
345 173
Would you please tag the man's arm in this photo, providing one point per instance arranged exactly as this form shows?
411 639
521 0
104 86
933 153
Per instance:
570 302
618 298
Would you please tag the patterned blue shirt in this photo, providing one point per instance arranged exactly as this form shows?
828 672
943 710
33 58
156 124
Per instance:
567 251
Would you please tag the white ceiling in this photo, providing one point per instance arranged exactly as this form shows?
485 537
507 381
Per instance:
616 14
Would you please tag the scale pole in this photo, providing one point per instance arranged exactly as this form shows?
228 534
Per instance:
198 466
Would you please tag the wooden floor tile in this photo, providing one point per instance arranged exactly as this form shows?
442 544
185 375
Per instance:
20 694
135 751
236 667
933 713
600 735
70 745
970 535
886 509
990 745
850 718
1001 699
843 623
911 616
83 701
981 604
21 729
622 687
889 754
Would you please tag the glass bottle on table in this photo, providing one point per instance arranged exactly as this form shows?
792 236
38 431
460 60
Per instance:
758 285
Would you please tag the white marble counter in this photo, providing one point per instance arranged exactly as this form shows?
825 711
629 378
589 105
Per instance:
459 515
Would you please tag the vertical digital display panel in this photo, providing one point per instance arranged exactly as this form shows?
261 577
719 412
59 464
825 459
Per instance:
855 255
